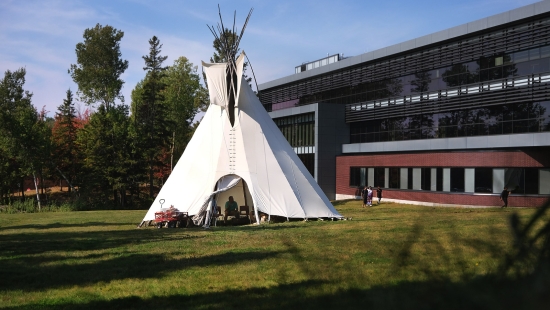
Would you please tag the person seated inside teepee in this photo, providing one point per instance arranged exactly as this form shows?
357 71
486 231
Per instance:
231 209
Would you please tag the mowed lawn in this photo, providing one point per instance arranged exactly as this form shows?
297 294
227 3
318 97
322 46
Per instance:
388 257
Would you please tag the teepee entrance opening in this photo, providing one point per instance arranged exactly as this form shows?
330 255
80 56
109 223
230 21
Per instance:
240 193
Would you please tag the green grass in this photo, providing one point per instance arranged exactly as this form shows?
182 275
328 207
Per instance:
388 257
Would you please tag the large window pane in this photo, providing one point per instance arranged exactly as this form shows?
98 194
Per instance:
483 180
457 179
379 177
426 179
531 180
394 177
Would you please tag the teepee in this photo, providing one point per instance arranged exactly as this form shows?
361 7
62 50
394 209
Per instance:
237 150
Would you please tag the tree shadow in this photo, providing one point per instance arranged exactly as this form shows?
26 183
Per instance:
35 274
64 225
481 293
37 243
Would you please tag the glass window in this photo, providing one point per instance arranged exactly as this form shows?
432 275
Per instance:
534 53
439 179
545 51
521 56
394 177
457 179
426 174
354 176
379 177
531 180
483 180
410 178
514 179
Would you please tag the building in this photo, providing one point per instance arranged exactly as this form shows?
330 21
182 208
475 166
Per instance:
447 118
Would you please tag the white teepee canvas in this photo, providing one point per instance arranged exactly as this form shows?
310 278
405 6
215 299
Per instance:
276 182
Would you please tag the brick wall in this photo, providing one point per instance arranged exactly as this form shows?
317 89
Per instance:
493 159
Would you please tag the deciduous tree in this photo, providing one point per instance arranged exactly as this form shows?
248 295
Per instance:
99 66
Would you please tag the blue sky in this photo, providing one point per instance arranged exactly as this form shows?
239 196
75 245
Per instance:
41 35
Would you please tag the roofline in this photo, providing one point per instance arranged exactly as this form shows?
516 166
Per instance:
440 36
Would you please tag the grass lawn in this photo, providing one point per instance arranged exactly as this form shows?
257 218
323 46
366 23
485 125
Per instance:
388 257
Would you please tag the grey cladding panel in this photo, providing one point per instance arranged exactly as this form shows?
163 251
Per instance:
367 56
522 12
380 53
477 142
393 49
440 35
408 45
477 25
355 60
542 7
458 31
424 40
498 19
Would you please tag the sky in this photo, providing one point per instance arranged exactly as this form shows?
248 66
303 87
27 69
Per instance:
41 35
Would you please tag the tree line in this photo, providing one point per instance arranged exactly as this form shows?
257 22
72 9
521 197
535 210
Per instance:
113 155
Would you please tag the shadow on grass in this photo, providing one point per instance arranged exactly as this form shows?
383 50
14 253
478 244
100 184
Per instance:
64 225
481 293
32 274
37 243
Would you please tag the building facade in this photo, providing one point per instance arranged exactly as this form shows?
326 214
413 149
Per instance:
448 118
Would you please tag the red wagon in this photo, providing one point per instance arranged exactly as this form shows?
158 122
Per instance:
171 218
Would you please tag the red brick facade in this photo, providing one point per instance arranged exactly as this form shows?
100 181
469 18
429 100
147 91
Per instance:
472 159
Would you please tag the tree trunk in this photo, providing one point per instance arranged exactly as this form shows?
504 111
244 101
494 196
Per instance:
22 188
114 197
151 179
37 193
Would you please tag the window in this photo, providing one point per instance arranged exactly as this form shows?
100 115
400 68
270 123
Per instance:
354 176
379 177
457 180
394 177
483 180
410 178
531 181
426 174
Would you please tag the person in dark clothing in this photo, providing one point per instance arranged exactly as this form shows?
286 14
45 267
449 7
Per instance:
364 196
504 197
379 194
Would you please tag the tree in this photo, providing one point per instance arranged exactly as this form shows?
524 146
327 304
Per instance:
107 151
183 97
149 111
99 66
65 153
23 132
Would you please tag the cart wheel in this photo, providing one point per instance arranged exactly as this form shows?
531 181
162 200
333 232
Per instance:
159 225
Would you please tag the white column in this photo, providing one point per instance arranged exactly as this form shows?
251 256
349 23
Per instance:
386 177
417 178
446 179
370 177
469 180
404 178
544 181
498 180
433 179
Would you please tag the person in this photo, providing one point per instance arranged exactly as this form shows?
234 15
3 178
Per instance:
231 208
369 196
504 197
379 194
364 196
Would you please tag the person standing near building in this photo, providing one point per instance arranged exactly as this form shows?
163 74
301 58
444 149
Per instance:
364 196
379 194
504 197
369 196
